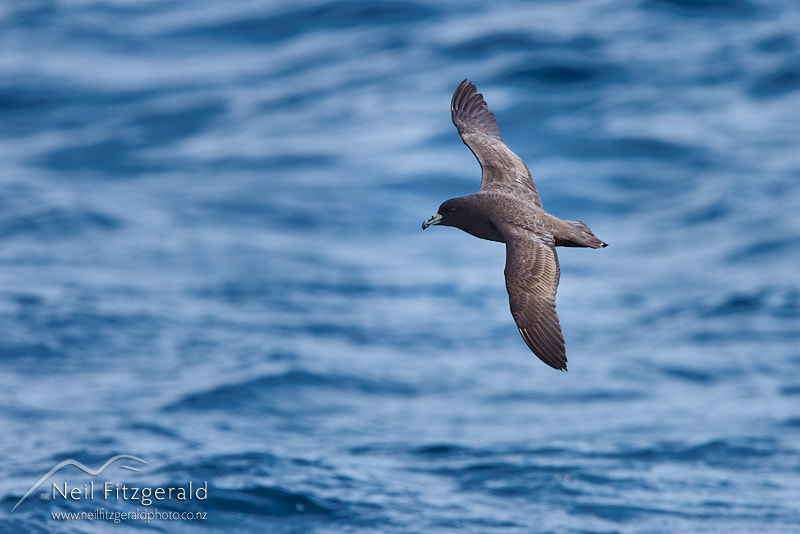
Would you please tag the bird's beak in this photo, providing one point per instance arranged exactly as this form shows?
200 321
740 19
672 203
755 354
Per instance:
436 219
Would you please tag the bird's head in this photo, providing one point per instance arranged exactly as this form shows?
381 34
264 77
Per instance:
452 212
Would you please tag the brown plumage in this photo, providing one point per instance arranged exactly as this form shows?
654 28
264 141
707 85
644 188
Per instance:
508 209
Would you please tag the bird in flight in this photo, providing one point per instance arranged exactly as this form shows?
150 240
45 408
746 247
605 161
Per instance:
507 209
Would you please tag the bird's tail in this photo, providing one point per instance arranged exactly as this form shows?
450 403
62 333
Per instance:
579 235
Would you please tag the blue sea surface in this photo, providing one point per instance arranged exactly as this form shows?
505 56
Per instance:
211 260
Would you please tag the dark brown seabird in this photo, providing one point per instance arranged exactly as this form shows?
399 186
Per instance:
507 209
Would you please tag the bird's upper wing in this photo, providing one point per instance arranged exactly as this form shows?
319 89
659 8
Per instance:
532 275
502 169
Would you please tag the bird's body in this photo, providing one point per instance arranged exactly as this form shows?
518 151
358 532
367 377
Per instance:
508 209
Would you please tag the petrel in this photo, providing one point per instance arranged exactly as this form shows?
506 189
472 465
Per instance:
507 209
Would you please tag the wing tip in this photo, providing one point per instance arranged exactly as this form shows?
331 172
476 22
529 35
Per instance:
554 356
469 106
557 365
466 87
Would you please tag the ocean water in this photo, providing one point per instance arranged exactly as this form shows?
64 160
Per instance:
211 260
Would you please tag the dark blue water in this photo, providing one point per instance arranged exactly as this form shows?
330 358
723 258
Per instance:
211 259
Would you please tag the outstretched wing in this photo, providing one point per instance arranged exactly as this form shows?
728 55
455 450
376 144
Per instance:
532 275
502 169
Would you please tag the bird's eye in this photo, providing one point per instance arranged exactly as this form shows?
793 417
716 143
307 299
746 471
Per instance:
451 210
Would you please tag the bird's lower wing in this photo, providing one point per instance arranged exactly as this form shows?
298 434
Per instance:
532 275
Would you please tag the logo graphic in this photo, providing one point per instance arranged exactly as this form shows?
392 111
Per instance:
85 469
